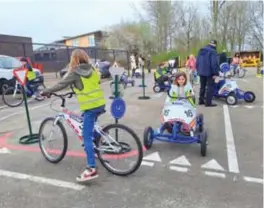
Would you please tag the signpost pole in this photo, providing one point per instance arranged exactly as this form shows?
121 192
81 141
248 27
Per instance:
21 75
144 97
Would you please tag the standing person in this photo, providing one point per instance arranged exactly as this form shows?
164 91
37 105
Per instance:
149 63
222 57
191 66
90 97
208 69
235 62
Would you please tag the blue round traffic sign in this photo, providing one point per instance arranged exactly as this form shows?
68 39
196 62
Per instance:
224 67
118 108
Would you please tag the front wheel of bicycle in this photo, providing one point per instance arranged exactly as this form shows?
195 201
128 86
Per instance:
53 155
111 148
12 97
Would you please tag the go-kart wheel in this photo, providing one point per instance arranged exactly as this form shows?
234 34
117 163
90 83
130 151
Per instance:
156 88
203 143
148 137
249 97
200 120
231 99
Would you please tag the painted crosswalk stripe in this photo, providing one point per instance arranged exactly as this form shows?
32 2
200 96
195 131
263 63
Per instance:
48 181
215 174
253 180
151 164
179 169
230 143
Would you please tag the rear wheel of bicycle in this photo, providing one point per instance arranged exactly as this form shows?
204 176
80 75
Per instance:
112 148
12 98
53 155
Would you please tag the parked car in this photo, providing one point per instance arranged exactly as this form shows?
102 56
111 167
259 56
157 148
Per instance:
7 65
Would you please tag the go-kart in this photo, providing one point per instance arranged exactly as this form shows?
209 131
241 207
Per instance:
137 73
163 86
125 80
181 124
229 90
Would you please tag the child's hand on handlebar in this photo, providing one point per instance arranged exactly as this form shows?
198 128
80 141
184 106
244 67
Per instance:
45 94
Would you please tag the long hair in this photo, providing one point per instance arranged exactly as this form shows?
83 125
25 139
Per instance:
179 74
78 56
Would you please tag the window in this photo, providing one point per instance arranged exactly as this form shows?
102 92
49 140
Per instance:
91 41
7 62
75 42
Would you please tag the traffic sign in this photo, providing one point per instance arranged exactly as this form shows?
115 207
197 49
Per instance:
118 108
21 75
224 67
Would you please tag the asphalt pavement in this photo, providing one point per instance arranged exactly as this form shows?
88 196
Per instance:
170 176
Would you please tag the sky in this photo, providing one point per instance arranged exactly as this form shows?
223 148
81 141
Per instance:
49 20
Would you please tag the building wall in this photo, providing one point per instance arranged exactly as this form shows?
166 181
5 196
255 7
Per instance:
85 41
13 46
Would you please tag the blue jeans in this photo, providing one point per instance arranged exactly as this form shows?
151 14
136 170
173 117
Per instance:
89 118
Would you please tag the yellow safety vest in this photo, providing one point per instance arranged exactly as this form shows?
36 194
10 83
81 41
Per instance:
31 75
91 96
187 94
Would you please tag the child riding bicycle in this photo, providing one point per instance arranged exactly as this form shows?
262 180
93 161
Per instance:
31 77
85 81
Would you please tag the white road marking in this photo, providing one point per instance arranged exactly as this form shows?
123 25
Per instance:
214 174
249 106
234 106
153 157
151 164
182 160
179 169
230 143
253 180
4 150
1 107
53 182
19 112
10 115
213 164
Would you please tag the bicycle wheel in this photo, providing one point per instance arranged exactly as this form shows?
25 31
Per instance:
12 97
241 73
52 154
111 149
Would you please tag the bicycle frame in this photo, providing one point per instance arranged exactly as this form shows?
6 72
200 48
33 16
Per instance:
75 121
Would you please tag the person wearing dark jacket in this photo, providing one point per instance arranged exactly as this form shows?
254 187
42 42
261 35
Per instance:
222 57
208 69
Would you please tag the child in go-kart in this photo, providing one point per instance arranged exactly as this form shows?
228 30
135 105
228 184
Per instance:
180 88
160 74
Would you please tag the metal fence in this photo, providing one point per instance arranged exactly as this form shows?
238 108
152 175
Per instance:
54 57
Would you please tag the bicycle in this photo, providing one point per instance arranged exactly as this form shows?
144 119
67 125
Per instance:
101 136
238 71
16 92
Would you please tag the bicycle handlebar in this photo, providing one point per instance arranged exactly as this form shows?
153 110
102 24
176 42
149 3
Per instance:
63 96
180 98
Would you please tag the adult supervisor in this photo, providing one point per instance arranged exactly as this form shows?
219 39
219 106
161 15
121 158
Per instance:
208 69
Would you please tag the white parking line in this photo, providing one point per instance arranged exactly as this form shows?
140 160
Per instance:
253 180
230 143
53 182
